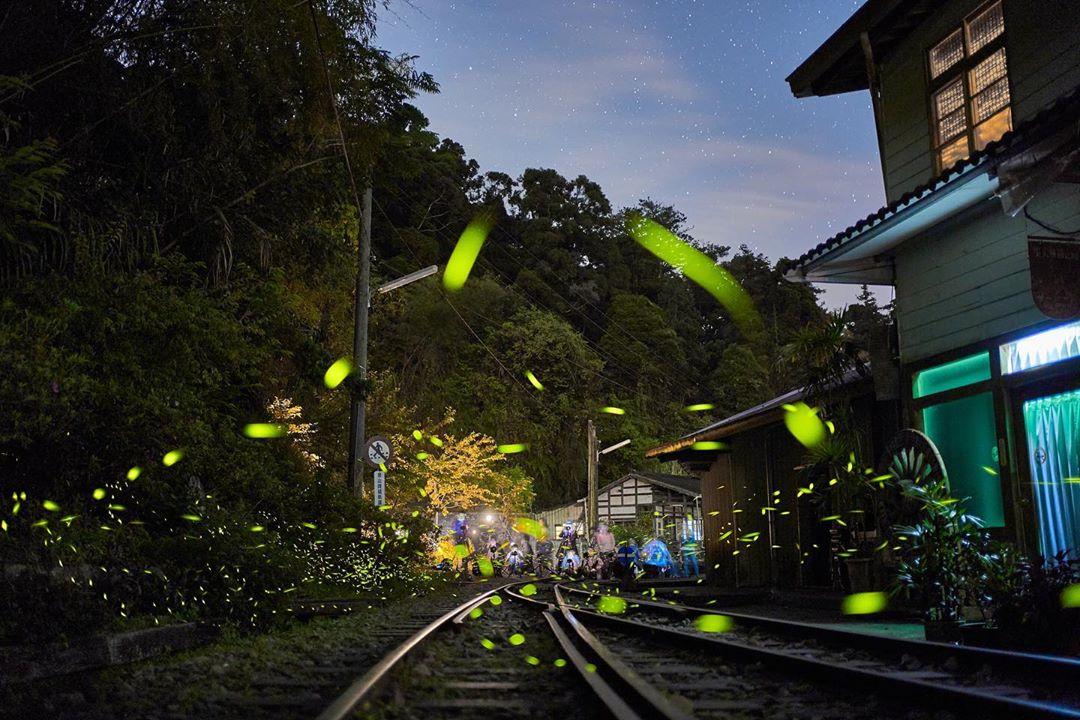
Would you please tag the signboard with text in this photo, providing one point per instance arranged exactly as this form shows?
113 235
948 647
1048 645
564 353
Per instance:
380 488
1055 265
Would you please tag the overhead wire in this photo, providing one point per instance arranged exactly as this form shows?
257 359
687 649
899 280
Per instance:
535 304
641 355
490 320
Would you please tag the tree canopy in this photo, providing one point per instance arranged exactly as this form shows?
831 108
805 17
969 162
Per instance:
177 258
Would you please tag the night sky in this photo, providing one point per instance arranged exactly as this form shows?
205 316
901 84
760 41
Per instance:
677 100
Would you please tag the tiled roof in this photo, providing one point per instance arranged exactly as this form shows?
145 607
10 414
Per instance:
1045 121
721 428
686 483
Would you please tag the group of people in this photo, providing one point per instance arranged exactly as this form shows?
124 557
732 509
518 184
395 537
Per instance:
599 557
510 562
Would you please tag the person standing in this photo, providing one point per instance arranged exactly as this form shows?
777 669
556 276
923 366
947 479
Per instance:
690 553
604 543
460 529
462 549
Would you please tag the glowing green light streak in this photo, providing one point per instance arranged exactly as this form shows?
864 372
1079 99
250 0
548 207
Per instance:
697 266
466 251
264 430
336 373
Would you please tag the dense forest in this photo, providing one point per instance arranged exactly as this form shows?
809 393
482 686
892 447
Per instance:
178 254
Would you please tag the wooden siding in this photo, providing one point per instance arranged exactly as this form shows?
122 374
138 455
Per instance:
620 503
1044 63
968 278
908 157
763 461
717 519
736 488
749 455
1044 55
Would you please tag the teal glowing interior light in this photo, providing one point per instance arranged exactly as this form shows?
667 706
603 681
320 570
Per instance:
965 435
1043 348
951 375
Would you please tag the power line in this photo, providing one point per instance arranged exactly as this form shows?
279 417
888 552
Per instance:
357 402
494 322
535 304
642 355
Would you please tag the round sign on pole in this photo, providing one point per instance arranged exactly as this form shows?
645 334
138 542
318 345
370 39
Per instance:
378 452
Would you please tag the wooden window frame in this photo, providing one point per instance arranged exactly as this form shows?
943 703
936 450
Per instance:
962 70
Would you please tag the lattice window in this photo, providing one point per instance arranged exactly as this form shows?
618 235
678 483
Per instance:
946 53
985 27
951 113
989 86
970 87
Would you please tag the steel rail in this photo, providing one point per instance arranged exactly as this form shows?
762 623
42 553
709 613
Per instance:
607 671
594 669
514 594
347 702
1044 668
907 686
617 673
603 691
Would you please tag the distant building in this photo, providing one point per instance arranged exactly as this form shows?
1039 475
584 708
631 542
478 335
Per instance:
977 110
671 501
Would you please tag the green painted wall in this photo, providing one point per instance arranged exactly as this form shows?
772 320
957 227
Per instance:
968 278
1044 63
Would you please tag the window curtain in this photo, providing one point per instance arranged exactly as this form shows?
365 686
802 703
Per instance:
1049 346
1053 434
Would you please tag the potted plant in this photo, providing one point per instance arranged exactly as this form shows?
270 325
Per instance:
1023 599
942 560
848 494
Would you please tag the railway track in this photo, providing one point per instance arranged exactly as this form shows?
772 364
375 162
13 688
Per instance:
485 658
551 651
973 682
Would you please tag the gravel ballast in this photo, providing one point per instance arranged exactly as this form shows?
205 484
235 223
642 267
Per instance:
292 672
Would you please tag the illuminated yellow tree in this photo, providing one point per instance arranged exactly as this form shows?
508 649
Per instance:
283 412
454 474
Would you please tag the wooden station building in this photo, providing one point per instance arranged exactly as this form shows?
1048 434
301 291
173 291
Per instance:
977 109
673 501
758 466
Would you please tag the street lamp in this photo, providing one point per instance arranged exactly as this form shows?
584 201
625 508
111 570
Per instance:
410 278
594 461
358 407
616 446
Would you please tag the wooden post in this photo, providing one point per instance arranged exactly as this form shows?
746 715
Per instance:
591 508
358 406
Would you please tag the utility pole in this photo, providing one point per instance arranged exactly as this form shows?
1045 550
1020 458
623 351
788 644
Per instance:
594 458
358 406
363 277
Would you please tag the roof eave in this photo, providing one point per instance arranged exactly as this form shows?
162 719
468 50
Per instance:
835 265
807 79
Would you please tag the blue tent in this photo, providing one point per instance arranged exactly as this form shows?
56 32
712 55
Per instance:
655 553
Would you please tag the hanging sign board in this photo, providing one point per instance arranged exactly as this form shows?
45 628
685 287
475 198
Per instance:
1055 266
380 488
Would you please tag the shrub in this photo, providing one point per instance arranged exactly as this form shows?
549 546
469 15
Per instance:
102 373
